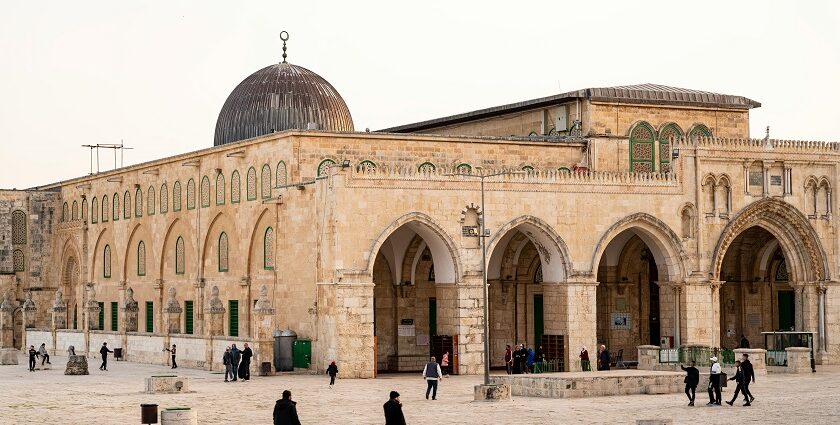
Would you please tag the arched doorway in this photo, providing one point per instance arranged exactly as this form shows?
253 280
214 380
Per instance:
415 298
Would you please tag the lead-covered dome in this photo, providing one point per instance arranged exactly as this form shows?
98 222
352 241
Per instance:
281 97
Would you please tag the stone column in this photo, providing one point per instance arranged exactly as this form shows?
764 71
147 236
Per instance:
7 325
159 325
29 311
702 305
757 357
216 314
345 328
798 359
172 314
822 353
59 312
581 305
263 326
130 311
92 309
469 315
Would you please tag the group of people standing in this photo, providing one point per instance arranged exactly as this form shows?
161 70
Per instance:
522 360
237 363
744 375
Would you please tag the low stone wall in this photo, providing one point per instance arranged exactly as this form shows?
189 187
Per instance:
145 348
592 384
192 351
98 337
37 337
167 384
65 338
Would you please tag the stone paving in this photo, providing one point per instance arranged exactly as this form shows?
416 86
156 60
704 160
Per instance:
50 397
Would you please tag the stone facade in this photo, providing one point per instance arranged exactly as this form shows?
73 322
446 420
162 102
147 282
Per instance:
379 263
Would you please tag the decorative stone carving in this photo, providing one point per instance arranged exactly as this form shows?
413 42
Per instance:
131 310
92 307
7 308
173 313
76 365
59 311
29 310
215 313
263 303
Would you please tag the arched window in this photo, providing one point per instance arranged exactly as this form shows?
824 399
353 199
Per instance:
464 169
265 181
251 184
84 209
641 148
235 188
141 259
138 203
115 208
18 261
205 192
699 130
220 189
268 249
75 211
150 201
19 227
668 132
164 199
179 255
65 213
191 194
282 176
687 219
538 274
176 196
426 167
94 210
565 170
324 167
223 252
105 209
528 169
367 165
127 205
106 262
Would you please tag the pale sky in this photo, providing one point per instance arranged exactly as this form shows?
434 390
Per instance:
156 73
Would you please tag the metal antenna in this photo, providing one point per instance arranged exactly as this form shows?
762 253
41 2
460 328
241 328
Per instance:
121 147
285 37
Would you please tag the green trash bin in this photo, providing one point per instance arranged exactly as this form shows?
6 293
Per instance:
302 353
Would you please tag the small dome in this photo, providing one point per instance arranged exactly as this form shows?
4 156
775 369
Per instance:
281 97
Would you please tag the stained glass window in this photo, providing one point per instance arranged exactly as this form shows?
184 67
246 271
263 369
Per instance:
426 167
191 194
94 210
699 130
127 205
223 252
18 261
641 148
106 262
176 196
528 169
105 210
205 192
141 259
179 256
138 203
367 165
265 181
235 187
84 209
18 227
268 249
75 213
252 184
670 131
220 189
150 201
324 167
464 169
65 213
115 208
282 176
164 199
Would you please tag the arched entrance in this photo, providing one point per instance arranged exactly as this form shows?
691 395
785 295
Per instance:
638 296
415 296
526 269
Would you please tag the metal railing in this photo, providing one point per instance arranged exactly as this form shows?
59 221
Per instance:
776 358
669 355
699 355
548 366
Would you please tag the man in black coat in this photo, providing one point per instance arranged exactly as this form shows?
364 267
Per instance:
739 379
393 410
104 351
749 376
245 366
692 378
603 358
285 412
235 355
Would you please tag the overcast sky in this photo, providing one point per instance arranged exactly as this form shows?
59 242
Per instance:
156 73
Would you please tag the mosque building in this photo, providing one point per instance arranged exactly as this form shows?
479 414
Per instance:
625 216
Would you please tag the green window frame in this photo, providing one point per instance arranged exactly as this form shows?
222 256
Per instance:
528 169
463 168
268 249
251 184
106 262
115 310
205 192
642 153
191 194
141 258
115 208
324 166
127 205
180 252
220 189
426 167
94 210
150 201
665 134
188 317
265 181
150 316
163 200
105 210
176 196
367 165
564 170
282 176
233 317
223 252
101 316
235 187
138 203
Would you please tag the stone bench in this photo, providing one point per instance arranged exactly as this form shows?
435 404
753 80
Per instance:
167 384
178 416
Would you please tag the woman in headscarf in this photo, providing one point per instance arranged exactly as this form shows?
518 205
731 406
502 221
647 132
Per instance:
584 360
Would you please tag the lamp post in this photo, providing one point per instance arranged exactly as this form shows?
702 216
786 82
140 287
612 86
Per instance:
483 234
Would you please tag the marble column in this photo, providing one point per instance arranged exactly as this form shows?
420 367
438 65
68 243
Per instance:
581 319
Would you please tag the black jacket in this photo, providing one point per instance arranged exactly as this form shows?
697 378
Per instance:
393 413
247 354
332 370
285 413
104 351
692 375
749 373
739 376
604 358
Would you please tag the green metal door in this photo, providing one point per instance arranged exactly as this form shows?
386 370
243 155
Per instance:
302 353
538 320
150 316
188 317
786 310
233 317
101 316
114 316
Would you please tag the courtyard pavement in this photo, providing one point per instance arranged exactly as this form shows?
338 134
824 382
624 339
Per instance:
114 397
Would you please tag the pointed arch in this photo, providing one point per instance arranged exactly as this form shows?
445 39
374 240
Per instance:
667 133
84 208
699 130
642 138
553 253
282 174
219 223
115 207
19 234
150 201
191 194
164 199
105 210
220 189
176 196
205 192
235 188
127 205
265 181
75 210
254 247
94 210
251 184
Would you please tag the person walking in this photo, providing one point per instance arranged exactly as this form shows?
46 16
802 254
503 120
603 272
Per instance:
285 410
603 358
172 350
444 363
45 356
714 383
585 364
692 378
332 370
739 379
227 360
245 366
32 355
749 376
508 359
393 410
432 373
235 356
104 352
